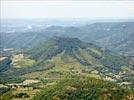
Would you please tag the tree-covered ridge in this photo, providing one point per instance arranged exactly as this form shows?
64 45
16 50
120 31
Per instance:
71 53
85 53
56 45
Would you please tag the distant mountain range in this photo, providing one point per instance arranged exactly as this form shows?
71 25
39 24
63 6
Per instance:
116 36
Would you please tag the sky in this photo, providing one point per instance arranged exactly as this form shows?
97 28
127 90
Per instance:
67 9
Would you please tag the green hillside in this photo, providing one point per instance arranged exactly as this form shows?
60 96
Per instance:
83 88
67 54
65 68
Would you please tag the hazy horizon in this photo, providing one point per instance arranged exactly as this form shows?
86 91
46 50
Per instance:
67 9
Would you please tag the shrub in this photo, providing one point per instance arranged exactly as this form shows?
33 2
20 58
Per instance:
21 95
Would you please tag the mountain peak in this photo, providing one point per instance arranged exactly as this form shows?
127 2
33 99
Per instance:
57 45
67 43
